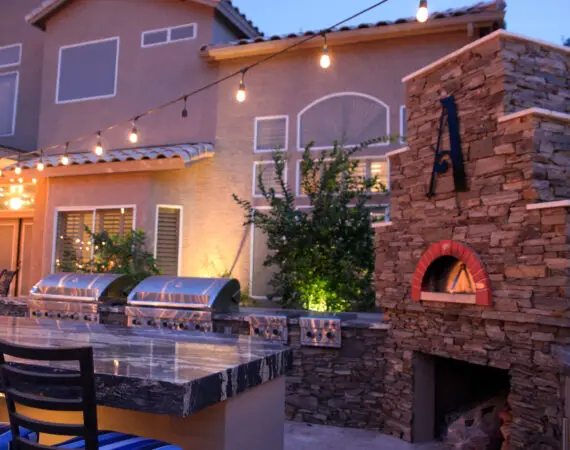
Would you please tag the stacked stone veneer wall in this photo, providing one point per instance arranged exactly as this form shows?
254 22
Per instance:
340 387
511 163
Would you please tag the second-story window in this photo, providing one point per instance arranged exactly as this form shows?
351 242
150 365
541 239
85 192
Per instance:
88 71
10 55
271 133
8 102
167 35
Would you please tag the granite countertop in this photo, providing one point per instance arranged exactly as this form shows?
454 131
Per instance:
158 371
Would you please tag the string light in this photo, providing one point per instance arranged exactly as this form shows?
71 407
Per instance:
18 169
40 165
65 157
423 12
1 173
325 61
99 146
20 180
241 94
185 110
134 134
34 180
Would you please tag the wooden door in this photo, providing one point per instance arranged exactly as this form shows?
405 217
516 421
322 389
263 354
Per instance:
25 281
8 244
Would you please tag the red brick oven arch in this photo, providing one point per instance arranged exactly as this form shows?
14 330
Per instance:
464 254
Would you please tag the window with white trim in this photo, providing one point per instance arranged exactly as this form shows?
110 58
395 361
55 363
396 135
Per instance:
261 274
10 55
8 102
168 35
346 117
403 123
73 246
88 71
168 239
369 168
268 175
271 133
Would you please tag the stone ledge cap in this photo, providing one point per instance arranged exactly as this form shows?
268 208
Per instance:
541 112
478 42
549 205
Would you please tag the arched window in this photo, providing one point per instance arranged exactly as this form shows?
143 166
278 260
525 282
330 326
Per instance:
347 117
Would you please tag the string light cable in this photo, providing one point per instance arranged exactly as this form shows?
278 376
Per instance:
133 136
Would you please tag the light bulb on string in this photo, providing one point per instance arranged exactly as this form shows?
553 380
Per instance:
40 166
134 134
241 94
423 13
18 169
185 110
99 147
65 157
20 180
325 60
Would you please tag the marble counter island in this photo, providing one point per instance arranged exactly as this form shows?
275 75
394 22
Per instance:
194 390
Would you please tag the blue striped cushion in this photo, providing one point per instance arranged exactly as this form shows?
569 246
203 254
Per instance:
6 435
111 440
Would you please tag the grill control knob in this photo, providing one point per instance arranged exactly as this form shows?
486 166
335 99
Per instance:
46 314
197 327
181 326
276 332
310 334
165 324
37 313
87 317
330 335
151 323
75 316
256 330
58 315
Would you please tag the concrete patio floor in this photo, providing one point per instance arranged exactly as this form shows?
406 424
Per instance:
302 436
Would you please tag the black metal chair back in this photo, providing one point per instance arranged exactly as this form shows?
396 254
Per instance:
45 389
6 277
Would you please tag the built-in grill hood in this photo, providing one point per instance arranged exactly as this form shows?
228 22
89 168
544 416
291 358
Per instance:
205 294
75 287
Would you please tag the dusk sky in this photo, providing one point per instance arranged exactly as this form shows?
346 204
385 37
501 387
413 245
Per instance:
544 19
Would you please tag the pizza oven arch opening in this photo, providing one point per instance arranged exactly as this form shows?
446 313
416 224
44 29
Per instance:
450 271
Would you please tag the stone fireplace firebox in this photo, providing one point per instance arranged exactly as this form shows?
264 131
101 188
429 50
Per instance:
475 284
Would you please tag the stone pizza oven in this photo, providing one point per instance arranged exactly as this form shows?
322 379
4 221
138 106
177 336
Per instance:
474 278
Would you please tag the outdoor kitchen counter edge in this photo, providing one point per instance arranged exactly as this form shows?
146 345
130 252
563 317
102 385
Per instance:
158 371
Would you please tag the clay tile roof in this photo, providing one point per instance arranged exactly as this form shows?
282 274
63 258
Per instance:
188 153
481 7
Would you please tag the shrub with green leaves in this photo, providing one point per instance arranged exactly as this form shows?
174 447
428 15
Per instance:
324 255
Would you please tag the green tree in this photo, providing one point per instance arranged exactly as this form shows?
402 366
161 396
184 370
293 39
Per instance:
324 255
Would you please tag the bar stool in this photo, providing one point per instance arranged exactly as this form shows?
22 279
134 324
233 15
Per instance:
41 388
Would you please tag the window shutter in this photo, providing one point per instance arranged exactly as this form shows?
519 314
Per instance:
72 240
271 134
168 240
268 175
114 221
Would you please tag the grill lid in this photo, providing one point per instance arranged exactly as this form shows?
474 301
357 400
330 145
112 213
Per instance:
219 294
95 287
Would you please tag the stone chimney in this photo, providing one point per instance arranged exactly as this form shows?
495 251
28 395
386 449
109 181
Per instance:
508 233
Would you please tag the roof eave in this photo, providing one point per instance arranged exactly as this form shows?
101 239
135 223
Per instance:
37 18
449 24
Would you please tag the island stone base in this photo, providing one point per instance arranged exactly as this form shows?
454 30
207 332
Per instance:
250 421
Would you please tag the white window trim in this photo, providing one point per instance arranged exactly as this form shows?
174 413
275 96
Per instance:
59 209
15 109
181 209
4 66
298 173
254 180
402 122
260 119
169 35
300 148
82 44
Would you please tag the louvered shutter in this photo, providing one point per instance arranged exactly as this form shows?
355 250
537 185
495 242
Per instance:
114 221
271 134
72 245
168 240
268 176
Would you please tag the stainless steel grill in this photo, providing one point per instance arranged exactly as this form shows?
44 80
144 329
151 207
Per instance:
181 303
72 296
